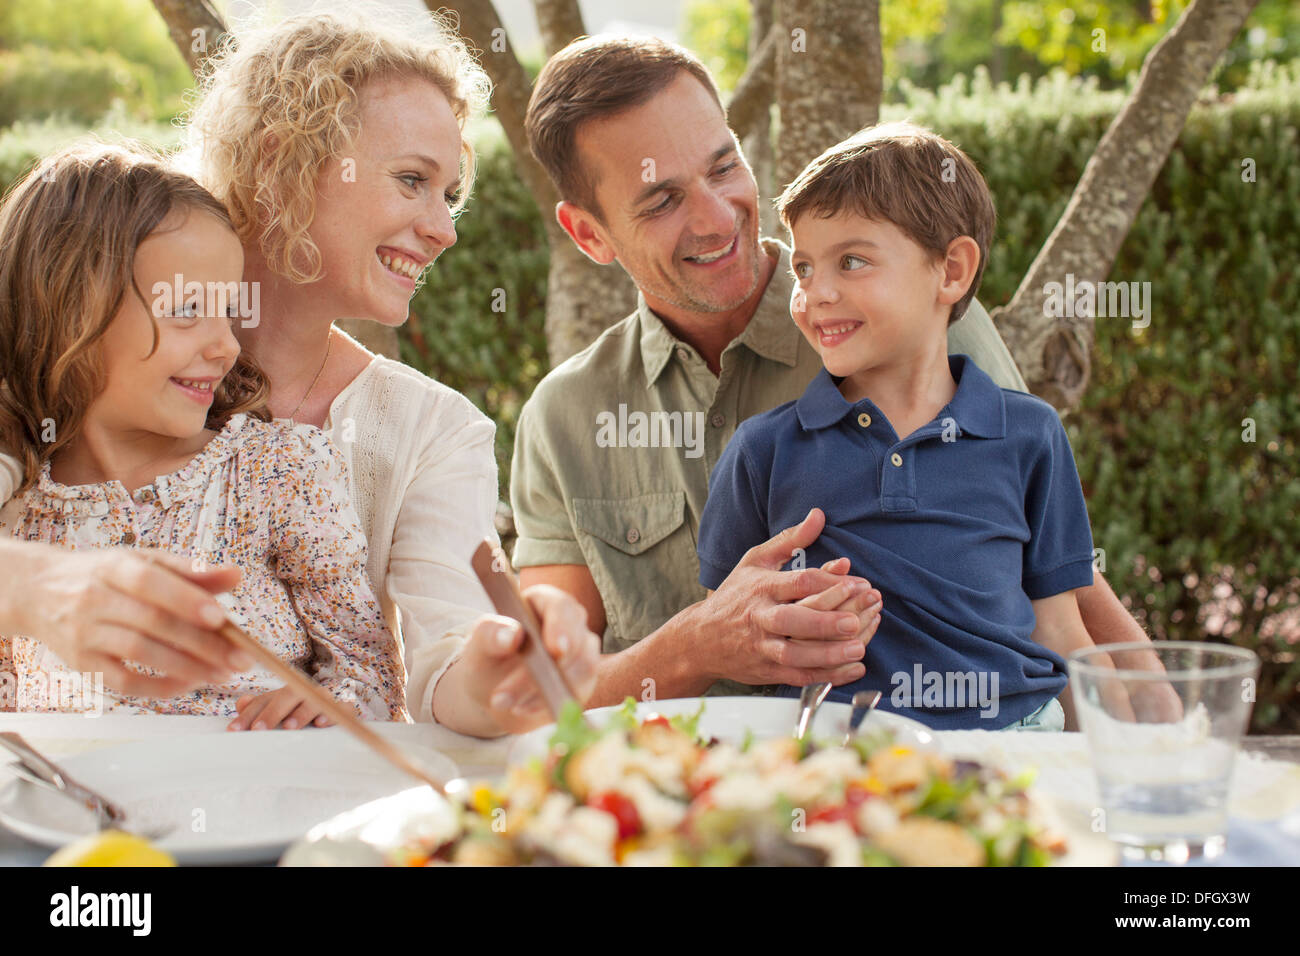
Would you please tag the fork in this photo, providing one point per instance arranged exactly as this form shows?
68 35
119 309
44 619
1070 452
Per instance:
38 769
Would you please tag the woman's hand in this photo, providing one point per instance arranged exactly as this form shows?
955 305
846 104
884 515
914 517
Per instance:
98 609
278 708
490 691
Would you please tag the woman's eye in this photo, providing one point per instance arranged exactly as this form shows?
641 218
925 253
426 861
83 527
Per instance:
413 180
452 197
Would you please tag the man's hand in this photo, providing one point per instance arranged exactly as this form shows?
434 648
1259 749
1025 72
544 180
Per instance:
767 626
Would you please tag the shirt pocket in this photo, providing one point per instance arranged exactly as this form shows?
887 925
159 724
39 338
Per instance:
641 554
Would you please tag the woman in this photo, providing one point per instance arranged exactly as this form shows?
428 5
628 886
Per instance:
338 147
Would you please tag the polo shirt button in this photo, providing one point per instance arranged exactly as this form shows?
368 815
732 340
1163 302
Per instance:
718 420
633 535
682 353
897 459
864 420
128 538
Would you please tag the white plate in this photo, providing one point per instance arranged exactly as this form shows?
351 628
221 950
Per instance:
731 718
233 797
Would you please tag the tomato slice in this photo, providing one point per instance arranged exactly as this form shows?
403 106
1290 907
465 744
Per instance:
622 809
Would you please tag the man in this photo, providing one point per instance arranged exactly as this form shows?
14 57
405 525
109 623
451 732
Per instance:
614 448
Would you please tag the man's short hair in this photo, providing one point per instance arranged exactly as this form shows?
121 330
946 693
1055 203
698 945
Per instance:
906 175
591 78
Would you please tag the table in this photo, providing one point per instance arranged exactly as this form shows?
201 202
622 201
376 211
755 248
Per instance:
1264 802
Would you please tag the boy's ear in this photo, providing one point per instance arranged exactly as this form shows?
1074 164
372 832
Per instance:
585 231
959 267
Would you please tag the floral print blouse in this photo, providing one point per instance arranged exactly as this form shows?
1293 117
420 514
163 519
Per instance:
271 498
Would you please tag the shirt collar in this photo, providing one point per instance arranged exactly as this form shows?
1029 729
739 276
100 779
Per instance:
978 406
770 333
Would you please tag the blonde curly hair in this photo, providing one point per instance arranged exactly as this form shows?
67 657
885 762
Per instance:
278 102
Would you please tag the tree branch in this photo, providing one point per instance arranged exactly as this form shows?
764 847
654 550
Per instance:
755 88
1054 353
560 22
183 18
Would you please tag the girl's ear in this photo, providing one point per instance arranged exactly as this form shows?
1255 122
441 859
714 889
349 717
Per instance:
959 267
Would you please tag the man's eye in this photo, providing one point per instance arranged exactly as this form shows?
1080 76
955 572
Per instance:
723 170
662 207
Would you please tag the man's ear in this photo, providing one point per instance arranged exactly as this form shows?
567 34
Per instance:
959 268
585 231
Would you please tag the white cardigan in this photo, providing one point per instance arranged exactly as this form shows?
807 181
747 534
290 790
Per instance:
423 480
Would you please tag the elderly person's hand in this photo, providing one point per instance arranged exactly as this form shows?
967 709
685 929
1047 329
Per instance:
490 691
99 609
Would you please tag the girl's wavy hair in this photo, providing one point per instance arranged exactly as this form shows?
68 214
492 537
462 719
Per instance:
277 103
69 232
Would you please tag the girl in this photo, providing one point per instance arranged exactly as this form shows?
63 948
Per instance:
138 424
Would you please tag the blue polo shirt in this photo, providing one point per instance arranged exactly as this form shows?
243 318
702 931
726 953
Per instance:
959 526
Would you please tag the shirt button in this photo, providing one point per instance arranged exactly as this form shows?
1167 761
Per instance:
682 353
897 459
128 538
864 420
633 535
718 420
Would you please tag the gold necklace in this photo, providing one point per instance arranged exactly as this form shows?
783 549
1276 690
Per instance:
328 343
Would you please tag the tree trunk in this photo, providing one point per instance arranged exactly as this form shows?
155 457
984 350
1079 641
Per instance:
829 76
749 113
1054 353
195 27
560 22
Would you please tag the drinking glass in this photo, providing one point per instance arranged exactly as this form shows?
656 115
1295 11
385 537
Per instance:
1163 722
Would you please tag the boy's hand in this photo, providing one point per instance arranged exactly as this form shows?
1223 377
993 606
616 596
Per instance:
848 596
278 708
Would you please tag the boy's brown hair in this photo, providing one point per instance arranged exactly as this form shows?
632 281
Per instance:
903 174
68 238
591 78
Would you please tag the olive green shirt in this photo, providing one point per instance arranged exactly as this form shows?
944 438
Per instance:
614 449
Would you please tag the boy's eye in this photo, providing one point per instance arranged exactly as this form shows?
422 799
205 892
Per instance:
801 270
847 259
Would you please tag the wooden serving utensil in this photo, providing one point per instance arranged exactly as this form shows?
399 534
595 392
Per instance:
337 711
502 587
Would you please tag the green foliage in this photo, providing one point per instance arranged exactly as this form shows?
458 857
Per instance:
477 324
929 42
75 59
23 143
718 30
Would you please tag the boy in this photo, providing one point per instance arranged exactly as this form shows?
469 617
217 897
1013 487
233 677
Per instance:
957 499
